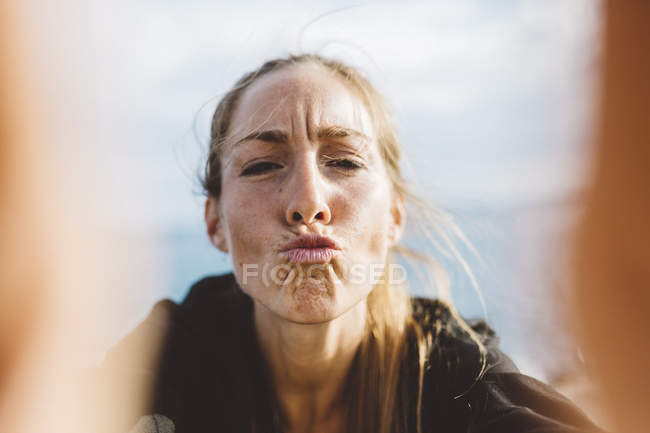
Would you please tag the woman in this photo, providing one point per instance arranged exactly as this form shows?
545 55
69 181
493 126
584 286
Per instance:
312 332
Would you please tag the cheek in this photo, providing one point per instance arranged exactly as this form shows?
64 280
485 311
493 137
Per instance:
247 220
378 235
368 206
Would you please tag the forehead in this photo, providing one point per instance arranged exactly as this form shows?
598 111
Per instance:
302 96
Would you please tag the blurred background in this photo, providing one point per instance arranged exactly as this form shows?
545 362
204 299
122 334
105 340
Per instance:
103 126
494 102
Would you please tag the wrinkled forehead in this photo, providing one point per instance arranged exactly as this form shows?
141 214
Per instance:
299 100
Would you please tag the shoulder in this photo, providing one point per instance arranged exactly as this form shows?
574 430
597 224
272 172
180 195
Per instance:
210 302
464 348
207 300
471 385
199 340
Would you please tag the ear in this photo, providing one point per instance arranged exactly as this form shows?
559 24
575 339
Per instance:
213 223
398 221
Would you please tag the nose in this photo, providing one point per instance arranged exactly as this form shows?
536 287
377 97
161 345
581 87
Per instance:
308 202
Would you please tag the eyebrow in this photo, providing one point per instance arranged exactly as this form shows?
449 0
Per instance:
271 135
281 137
340 132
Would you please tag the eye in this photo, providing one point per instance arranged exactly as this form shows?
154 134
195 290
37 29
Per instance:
259 168
344 163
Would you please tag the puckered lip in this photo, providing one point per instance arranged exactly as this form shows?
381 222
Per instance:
310 241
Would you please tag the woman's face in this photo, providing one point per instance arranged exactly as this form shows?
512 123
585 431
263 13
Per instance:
303 160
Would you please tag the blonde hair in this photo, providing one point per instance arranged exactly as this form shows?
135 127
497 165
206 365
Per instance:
376 394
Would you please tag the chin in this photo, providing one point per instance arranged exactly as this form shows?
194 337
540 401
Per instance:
309 294
313 301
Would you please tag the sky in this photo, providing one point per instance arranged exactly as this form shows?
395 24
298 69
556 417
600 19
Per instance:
498 90
493 102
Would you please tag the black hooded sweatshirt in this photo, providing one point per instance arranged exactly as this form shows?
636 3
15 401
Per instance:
210 376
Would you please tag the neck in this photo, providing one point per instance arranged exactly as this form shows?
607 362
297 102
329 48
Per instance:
309 363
